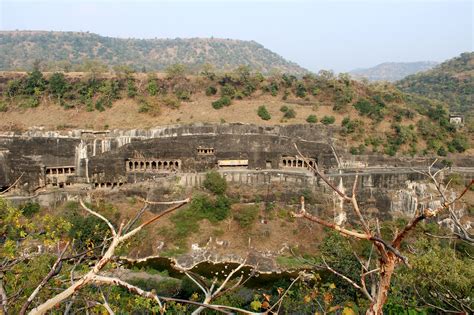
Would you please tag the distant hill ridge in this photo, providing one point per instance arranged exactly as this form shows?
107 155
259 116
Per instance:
19 49
451 82
393 71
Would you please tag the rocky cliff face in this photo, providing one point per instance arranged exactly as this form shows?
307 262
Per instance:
84 160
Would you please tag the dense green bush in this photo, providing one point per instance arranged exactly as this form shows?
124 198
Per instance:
367 108
213 210
290 113
131 88
350 126
300 90
312 119
87 231
182 93
246 215
459 144
210 90
357 150
58 85
284 109
152 86
223 101
328 120
263 113
30 208
34 82
228 91
442 151
363 106
215 183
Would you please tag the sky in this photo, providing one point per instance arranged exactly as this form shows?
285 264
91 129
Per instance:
338 35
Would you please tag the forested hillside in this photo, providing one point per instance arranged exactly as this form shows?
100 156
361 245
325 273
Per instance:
66 50
392 71
451 82
372 117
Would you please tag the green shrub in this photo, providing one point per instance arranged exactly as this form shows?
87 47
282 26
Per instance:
246 216
211 91
223 101
152 87
290 113
171 102
57 84
99 104
442 151
263 113
221 208
312 119
239 95
228 90
363 106
30 208
357 150
87 230
34 82
185 224
300 90
459 143
182 93
350 126
328 120
30 102
215 183
284 109
203 207
14 87
131 88
374 111
391 150
3 106
272 88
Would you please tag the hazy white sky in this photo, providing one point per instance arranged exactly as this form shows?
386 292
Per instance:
325 34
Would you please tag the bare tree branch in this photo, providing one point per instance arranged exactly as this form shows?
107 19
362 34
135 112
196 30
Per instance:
12 185
389 254
352 282
89 277
112 229
55 269
210 293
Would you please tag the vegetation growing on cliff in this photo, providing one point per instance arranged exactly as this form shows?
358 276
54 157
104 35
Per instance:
404 123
